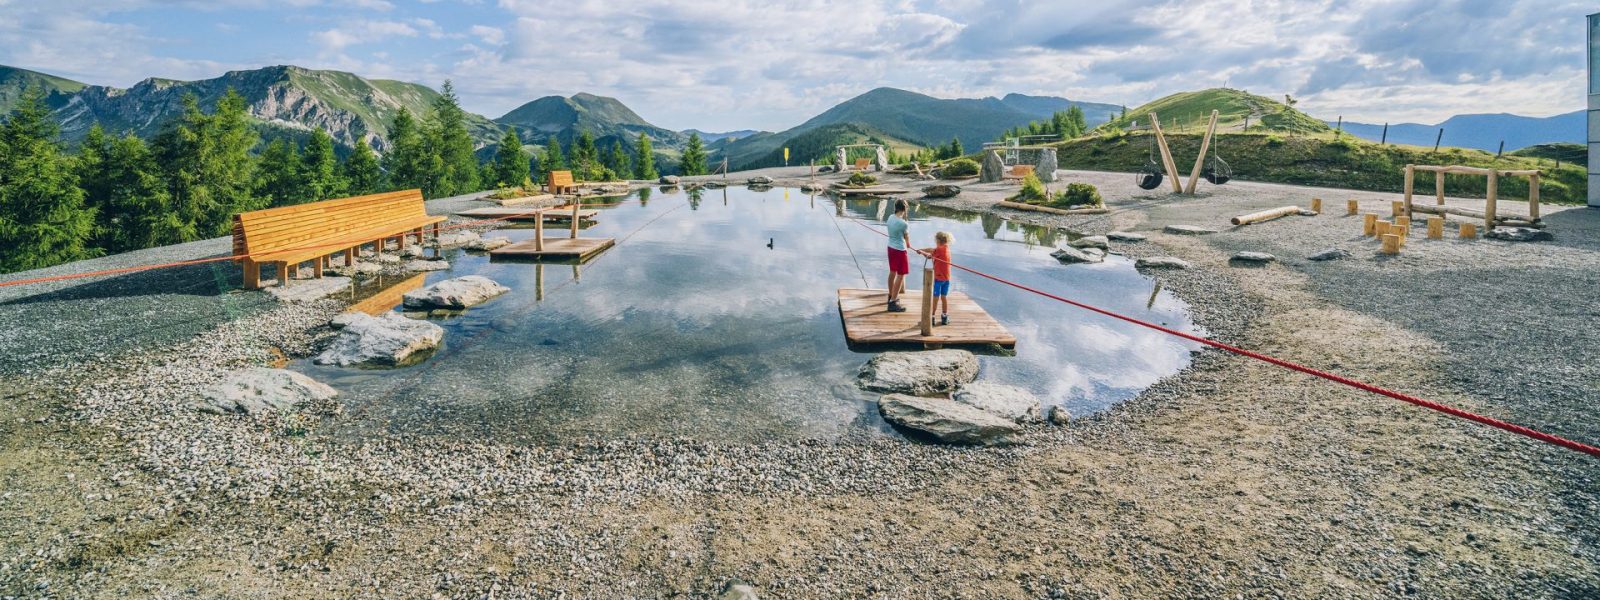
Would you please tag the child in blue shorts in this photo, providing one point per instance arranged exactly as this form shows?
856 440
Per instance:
941 275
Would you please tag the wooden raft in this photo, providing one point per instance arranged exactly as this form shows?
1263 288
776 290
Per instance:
579 248
527 214
867 321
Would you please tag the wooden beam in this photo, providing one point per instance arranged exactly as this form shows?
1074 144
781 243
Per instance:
1166 154
1205 143
1489 200
1265 215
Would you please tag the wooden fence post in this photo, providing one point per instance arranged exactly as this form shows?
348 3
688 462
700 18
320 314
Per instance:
927 301
1435 228
1411 177
1489 196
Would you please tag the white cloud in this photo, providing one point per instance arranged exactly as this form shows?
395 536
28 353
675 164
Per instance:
361 32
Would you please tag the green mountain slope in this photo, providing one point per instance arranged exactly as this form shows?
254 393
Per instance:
284 100
1189 111
14 81
1564 153
604 118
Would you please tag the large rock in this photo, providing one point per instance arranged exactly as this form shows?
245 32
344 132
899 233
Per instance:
1126 236
457 238
1046 169
1001 400
428 265
458 293
1330 254
669 180
1070 256
926 372
759 180
941 191
1091 241
1161 262
1188 230
260 390
487 244
1059 415
387 341
1519 234
298 292
1251 257
993 168
947 421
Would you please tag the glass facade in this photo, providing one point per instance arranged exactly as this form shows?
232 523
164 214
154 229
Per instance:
1594 53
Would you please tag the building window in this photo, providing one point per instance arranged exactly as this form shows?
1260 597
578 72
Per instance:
1594 53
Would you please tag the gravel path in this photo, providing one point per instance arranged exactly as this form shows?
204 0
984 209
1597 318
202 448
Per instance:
1233 478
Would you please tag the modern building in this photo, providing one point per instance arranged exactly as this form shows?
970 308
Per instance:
1594 109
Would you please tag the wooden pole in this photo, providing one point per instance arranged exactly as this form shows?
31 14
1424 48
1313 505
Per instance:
927 301
1316 205
538 282
538 231
1533 197
1490 197
575 205
1166 154
1438 188
1205 143
1435 228
1468 231
1411 178
1265 215
1391 244
1351 207
1369 223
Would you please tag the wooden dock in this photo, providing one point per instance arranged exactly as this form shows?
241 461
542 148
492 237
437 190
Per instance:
867 321
551 214
878 190
557 248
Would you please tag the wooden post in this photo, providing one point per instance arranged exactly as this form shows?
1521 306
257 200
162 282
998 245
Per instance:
1411 178
252 274
1381 228
1435 228
538 281
1351 207
1316 205
316 267
1166 154
1489 204
349 257
1402 228
1403 222
538 231
1205 143
1533 197
1399 207
1468 231
575 205
1369 224
927 301
1438 188
1391 244
283 274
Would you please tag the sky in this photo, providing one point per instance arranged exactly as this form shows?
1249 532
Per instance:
751 64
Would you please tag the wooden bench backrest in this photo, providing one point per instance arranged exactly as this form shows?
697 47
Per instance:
1021 170
863 163
301 225
560 179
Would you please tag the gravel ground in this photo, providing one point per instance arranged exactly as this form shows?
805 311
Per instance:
1233 478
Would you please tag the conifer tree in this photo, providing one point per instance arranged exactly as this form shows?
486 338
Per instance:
644 167
43 220
208 168
553 159
319 169
122 184
361 173
585 159
406 161
278 179
451 147
693 161
617 161
510 162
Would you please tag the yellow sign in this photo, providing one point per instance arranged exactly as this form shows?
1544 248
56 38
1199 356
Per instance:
786 154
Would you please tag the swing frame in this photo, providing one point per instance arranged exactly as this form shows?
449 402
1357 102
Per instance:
1166 154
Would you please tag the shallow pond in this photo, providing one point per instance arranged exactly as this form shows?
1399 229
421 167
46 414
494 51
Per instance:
715 317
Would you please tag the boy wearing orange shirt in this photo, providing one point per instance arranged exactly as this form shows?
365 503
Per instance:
941 275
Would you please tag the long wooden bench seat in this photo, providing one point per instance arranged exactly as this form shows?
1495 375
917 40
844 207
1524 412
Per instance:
287 236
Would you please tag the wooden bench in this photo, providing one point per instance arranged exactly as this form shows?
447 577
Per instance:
561 183
1021 171
290 235
863 164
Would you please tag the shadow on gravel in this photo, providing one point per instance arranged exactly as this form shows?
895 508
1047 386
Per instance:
211 279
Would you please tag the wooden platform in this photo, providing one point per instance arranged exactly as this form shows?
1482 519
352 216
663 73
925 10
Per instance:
877 190
527 214
867 321
579 248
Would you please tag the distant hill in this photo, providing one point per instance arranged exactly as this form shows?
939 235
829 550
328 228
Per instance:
605 118
284 100
1577 154
13 81
1482 131
1189 111
1043 107
709 136
907 119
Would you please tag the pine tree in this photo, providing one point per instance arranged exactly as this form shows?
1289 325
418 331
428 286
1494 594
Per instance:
955 148
208 168
361 172
451 147
585 158
407 160
693 161
553 159
319 168
644 167
122 183
510 162
1077 124
231 170
43 219
278 177
617 161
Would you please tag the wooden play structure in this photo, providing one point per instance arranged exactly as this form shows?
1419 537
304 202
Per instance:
1490 213
540 248
288 236
1152 174
879 161
561 183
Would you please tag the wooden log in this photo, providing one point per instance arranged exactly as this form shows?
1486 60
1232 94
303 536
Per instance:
927 301
1489 200
1057 211
575 206
1391 244
1265 215
1199 161
1166 154
538 233
1435 227
1316 205
1369 224
1411 177
1464 170
1468 231
1438 188
1533 196
1351 207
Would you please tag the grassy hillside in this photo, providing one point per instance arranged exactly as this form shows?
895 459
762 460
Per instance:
1189 111
1565 153
13 81
1321 161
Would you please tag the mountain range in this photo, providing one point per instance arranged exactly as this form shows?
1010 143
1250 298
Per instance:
1482 131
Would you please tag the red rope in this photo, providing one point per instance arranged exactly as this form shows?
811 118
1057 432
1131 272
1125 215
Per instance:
1367 387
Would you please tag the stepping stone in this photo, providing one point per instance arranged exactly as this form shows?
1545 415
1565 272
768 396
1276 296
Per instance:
947 421
1253 257
387 341
1161 262
926 372
1091 241
428 265
458 293
259 390
1330 254
1188 230
1001 400
1069 256
1126 236
1519 234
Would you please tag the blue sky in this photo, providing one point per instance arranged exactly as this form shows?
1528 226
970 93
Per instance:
734 64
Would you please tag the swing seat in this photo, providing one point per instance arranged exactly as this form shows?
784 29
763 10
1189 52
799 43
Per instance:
1218 172
1148 178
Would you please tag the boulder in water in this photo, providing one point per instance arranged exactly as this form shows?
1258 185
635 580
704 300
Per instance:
669 180
1001 400
759 180
1091 241
487 244
941 191
947 421
259 390
457 293
1070 256
428 265
387 341
926 372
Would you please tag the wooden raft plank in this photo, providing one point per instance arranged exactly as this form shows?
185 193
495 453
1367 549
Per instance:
579 248
866 321
527 214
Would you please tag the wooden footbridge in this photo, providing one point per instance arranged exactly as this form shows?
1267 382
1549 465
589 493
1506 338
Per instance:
867 320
